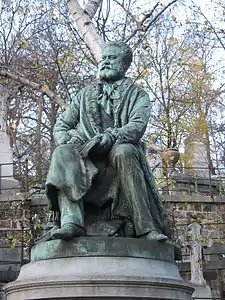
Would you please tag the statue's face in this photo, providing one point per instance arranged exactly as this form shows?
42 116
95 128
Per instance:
112 65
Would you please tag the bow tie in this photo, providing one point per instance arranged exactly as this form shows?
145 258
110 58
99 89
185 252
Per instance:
106 97
108 89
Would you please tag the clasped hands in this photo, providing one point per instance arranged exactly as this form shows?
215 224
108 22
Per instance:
105 144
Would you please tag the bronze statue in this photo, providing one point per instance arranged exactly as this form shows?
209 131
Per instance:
98 139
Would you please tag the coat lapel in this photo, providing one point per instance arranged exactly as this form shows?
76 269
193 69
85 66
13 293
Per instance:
118 96
92 106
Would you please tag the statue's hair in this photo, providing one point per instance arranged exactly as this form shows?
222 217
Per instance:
127 52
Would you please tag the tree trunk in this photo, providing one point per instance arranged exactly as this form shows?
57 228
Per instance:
82 18
91 7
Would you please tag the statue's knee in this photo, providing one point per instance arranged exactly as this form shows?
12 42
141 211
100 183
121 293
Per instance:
122 152
60 148
64 148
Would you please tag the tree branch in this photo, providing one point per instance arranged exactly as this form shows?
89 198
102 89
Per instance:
145 28
39 87
211 26
129 13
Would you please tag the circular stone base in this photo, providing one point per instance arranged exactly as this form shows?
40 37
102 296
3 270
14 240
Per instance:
142 274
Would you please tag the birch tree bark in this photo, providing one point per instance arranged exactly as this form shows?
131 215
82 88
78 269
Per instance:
91 7
83 20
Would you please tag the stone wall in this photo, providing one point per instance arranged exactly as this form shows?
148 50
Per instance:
208 211
14 237
182 209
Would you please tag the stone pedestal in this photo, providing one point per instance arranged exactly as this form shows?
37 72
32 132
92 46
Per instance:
196 161
8 185
100 268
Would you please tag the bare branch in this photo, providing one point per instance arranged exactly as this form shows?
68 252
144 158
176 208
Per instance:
129 13
211 26
147 16
39 87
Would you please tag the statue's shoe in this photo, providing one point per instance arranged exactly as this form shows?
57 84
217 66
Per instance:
154 235
68 231
46 236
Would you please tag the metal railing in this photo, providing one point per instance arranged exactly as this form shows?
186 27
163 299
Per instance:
168 180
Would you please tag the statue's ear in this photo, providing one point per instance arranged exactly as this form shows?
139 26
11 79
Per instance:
126 67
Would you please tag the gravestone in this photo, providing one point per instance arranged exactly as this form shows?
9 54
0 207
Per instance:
202 289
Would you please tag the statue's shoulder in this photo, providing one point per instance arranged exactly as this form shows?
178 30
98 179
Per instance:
135 86
140 90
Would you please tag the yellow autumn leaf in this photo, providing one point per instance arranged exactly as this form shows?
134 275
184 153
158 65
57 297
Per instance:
197 65
45 86
24 44
174 18
172 40
145 73
70 58
13 125
61 60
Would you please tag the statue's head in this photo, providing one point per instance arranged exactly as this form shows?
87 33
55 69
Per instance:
116 59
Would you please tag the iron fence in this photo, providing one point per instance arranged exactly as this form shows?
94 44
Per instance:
169 180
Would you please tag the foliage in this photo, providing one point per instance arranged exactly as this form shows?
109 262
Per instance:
40 43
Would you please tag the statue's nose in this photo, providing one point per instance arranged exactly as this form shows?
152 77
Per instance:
106 60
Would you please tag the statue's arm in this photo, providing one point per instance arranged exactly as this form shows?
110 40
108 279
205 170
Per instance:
66 121
137 121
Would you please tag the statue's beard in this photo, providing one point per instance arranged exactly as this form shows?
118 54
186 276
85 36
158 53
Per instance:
107 74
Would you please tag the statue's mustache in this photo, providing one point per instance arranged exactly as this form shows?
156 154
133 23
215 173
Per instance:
107 68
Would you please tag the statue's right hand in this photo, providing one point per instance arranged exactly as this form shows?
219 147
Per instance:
72 141
105 144
63 140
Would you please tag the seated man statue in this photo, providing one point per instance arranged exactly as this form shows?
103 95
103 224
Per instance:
105 123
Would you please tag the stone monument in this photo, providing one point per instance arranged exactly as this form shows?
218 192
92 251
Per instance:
196 156
7 182
9 187
109 236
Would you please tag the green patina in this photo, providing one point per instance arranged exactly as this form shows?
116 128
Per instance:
100 160
104 246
